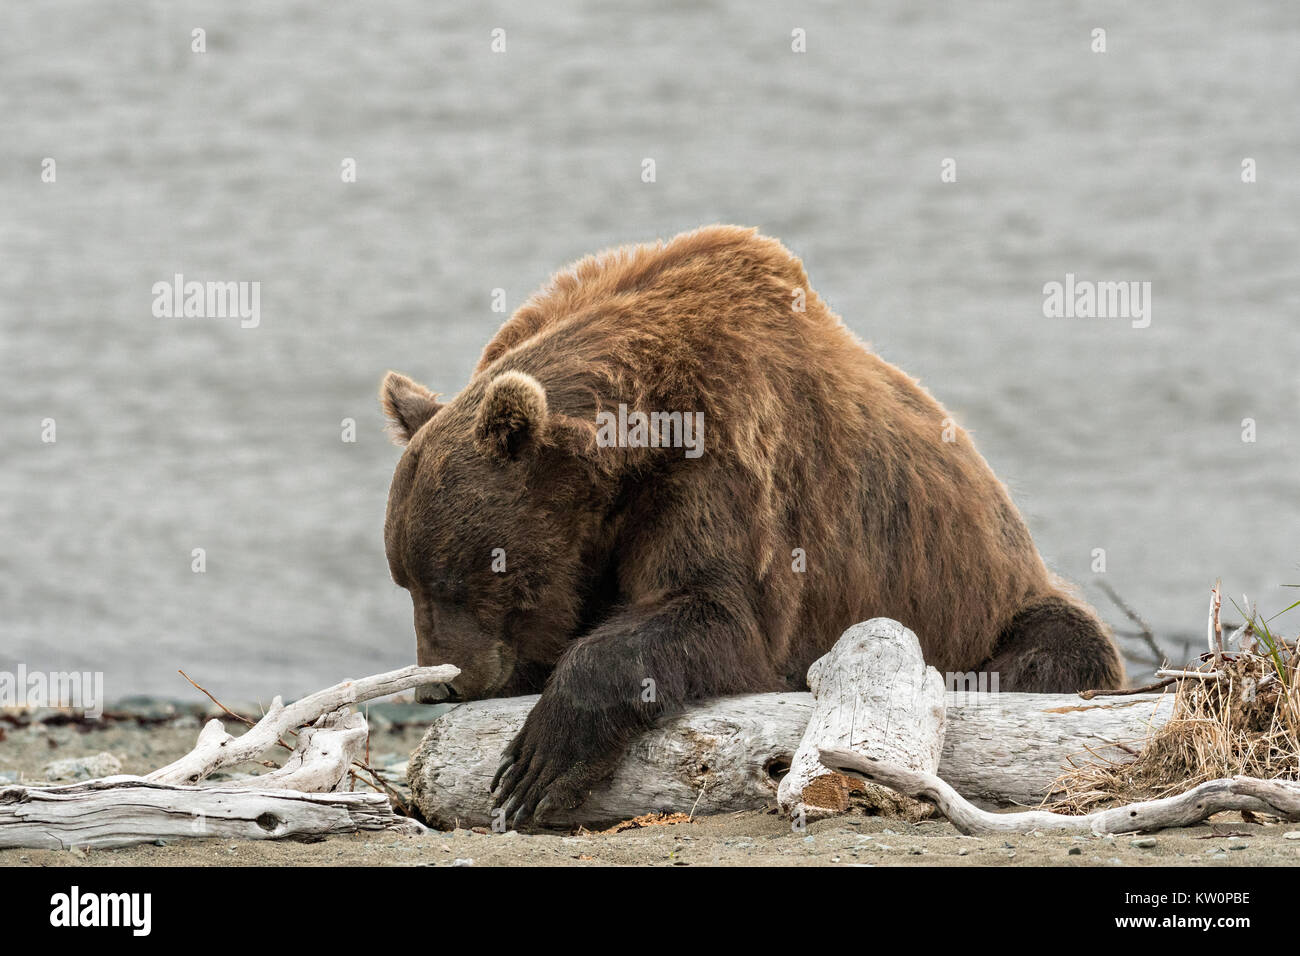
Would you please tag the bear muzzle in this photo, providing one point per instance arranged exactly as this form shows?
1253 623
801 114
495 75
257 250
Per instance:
436 694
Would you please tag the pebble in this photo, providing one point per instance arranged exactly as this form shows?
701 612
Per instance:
1291 835
964 851
1074 851
1143 843
1238 845
462 862
82 768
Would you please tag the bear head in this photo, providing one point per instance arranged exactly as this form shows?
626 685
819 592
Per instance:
492 519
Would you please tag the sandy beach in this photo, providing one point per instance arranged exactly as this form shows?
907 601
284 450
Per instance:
757 838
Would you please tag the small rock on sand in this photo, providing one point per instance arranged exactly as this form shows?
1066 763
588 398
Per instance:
82 768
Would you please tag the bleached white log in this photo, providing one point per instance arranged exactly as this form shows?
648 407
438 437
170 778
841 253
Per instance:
216 748
120 811
1008 749
1279 798
872 694
1000 749
723 753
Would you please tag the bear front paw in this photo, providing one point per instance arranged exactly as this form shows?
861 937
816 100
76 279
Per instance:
544 771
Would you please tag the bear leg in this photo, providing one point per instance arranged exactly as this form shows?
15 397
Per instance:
1055 646
643 663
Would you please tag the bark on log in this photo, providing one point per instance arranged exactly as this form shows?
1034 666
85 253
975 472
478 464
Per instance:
120 811
872 694
728 754
1280 798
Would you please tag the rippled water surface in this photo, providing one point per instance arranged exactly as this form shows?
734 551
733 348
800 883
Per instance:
479 171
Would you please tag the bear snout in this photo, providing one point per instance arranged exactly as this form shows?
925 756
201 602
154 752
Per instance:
436 694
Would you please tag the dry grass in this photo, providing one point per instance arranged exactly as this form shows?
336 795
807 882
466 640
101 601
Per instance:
1245 721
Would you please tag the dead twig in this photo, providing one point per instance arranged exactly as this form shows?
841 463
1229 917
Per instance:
1125 691
1147 636
204 691
394 797
251 723
1174 674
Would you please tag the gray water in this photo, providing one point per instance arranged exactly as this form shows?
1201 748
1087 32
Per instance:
479 170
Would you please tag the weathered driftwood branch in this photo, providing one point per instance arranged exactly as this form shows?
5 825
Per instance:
296 799
216 748
1177 674
1215 630
119 811
872 694
729 754
324 754
1279 798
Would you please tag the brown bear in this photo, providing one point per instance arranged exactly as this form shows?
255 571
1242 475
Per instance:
788 483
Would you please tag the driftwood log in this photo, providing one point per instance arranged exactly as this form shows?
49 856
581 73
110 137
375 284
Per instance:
872 694
120 811
1280 798
729 754
299 798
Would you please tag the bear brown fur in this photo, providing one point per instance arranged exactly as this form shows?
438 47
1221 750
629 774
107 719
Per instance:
623 582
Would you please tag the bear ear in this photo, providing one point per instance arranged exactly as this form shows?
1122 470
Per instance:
512 418
407 404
